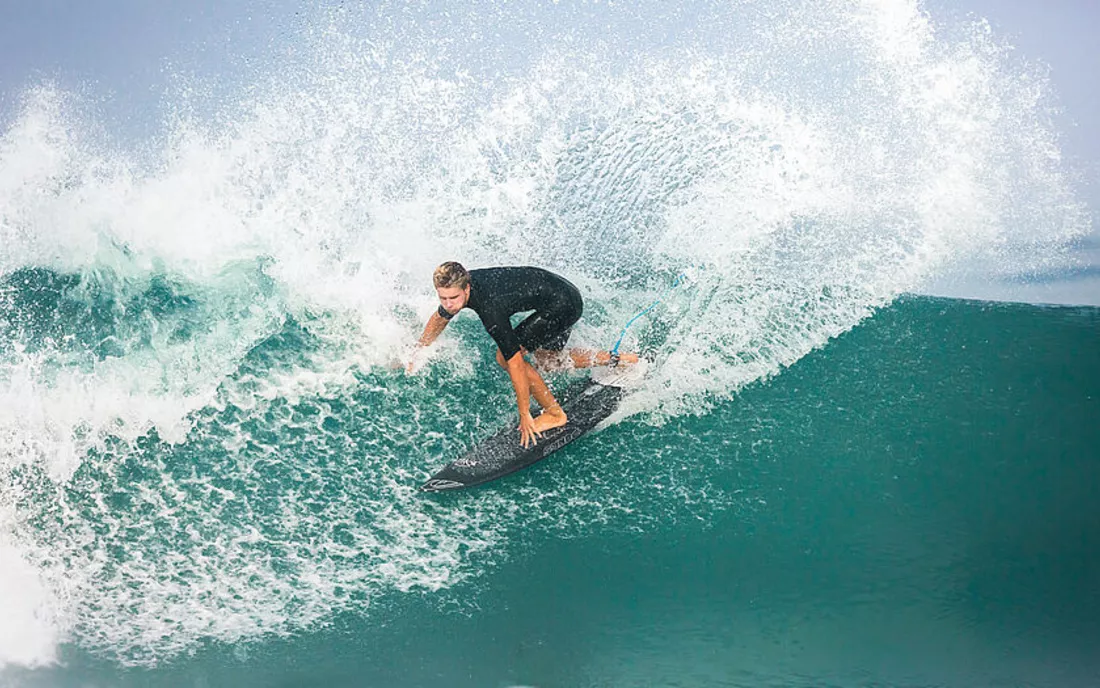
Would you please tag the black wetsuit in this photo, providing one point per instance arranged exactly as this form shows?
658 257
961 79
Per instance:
498 293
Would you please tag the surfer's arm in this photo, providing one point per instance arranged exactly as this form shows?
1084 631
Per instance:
436 325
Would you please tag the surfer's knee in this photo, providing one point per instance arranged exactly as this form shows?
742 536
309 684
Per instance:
504 364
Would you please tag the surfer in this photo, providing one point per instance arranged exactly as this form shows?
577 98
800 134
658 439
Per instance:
496 294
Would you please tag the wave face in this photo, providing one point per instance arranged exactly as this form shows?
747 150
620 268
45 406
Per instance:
200 436
897 508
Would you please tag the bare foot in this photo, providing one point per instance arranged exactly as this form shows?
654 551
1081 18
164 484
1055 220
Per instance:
550 419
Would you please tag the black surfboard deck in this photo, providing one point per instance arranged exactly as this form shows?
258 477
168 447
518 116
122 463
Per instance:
586 402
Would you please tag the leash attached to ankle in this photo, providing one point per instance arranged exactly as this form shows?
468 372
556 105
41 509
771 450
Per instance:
614 361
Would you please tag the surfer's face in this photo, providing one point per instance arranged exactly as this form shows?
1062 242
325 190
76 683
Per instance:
453 299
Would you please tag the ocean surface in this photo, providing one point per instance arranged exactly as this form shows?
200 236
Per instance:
914 504
209 449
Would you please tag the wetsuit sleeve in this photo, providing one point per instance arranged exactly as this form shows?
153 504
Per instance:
500 329
444 314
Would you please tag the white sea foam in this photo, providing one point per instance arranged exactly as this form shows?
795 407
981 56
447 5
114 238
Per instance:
29 627
832 156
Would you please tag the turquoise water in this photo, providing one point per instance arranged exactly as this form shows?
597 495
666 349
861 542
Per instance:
911 505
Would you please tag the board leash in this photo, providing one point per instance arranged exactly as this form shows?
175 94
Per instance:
614 353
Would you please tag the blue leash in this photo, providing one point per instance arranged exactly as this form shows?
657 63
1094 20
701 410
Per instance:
615 349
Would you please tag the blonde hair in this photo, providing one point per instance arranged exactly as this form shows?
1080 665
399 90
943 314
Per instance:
451 274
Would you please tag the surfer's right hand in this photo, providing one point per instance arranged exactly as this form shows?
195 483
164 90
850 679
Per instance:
527 435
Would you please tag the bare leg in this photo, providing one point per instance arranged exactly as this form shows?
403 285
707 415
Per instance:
586 358
552 416
553 361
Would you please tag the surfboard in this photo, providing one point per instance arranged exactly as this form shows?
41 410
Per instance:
587 402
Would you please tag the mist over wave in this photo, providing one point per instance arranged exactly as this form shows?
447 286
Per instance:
199 435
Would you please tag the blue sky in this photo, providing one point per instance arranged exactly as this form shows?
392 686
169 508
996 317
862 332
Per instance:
121 54
1062 35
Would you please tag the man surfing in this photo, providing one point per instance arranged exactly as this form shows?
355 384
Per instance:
496 294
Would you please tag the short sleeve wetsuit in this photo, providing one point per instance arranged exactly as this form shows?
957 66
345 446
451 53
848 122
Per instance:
498 293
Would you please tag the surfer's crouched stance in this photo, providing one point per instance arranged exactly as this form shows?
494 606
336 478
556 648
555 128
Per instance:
496 294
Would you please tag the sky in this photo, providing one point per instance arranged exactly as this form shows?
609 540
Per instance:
124 52
122 55
1062 35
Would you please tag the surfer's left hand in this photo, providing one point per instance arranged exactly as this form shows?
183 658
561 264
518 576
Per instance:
527 435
